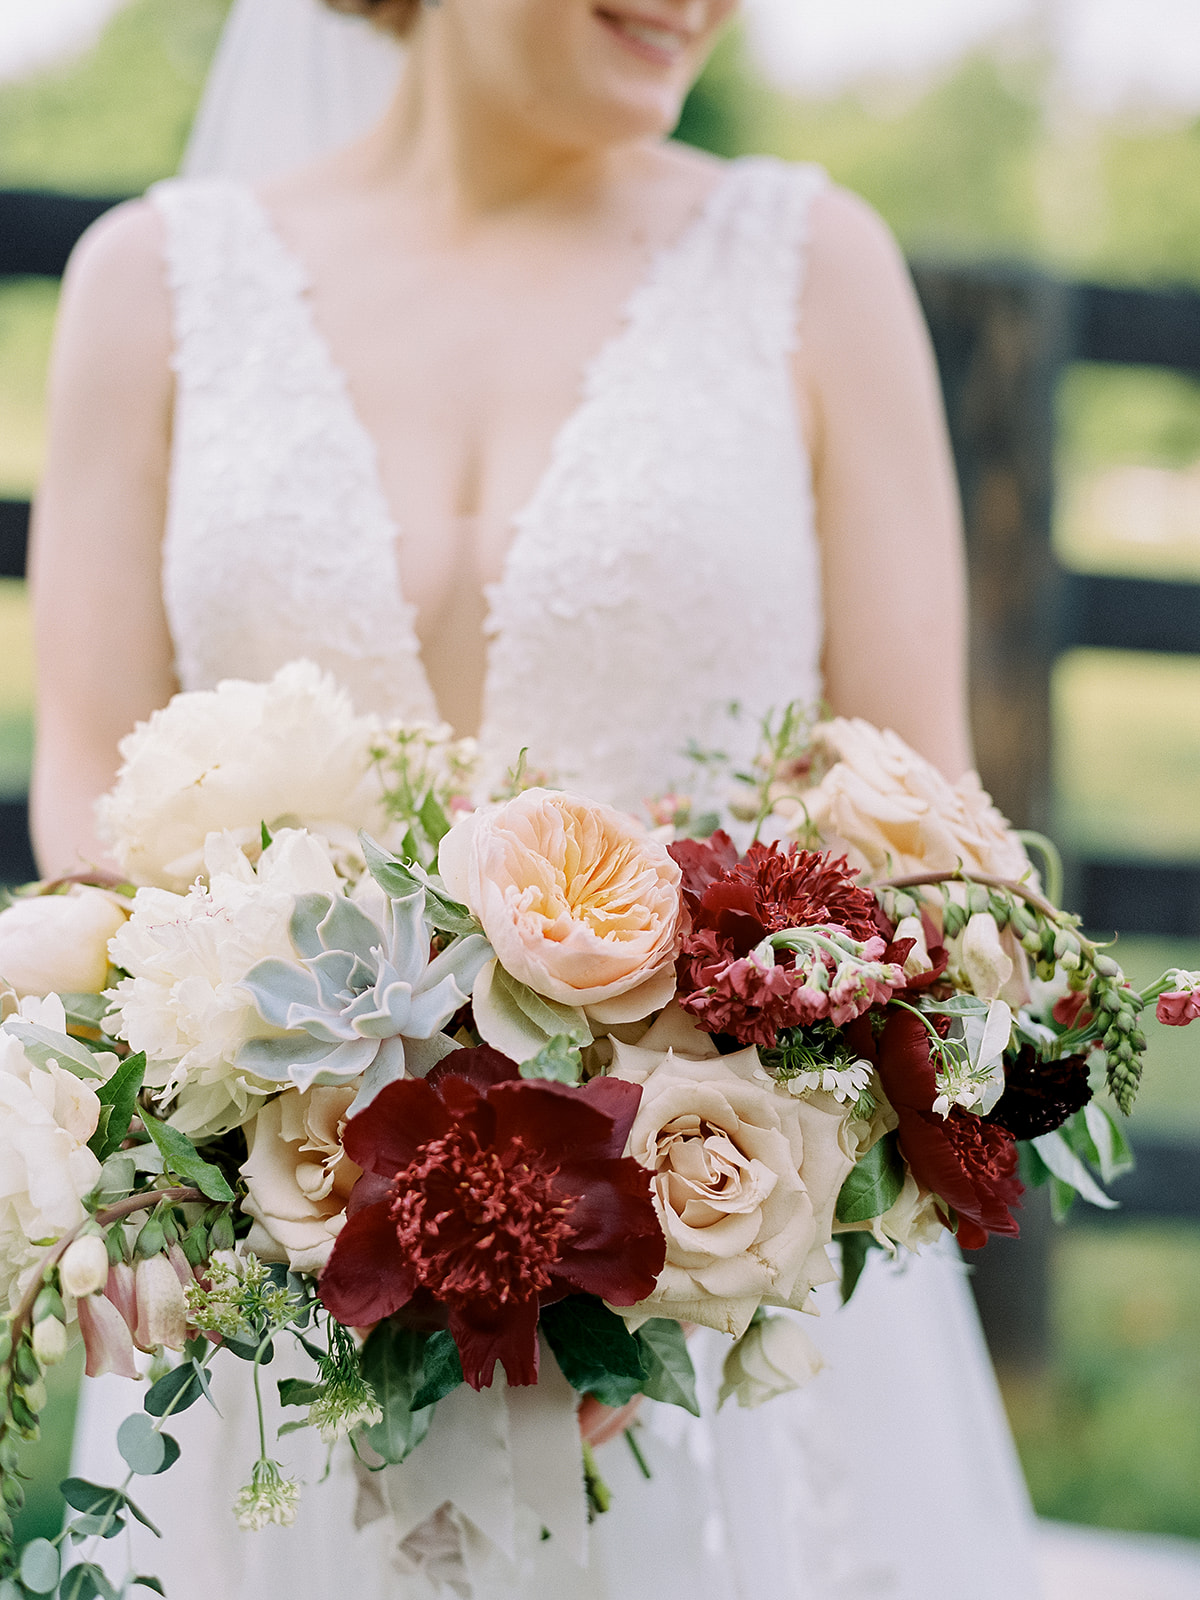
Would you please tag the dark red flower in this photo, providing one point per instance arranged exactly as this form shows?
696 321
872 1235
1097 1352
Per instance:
488 1196
969 1163
1039 1095
734 904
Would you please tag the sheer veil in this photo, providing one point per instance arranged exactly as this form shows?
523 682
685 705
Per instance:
291 81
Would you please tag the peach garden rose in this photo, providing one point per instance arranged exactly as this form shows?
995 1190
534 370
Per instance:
298 1177
578 901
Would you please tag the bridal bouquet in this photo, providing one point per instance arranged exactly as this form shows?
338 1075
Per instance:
429 1089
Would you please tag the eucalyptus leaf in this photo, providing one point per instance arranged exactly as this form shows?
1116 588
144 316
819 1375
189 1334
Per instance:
183 1159
144 1448
40 1566
93 1499
442 1371
93 1526
177 1390
244 1350
118 1098
873 1184
145 1581
86 1582
670 1375
393 1363
595 1349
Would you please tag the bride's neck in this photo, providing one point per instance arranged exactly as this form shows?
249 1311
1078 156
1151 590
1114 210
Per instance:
470 154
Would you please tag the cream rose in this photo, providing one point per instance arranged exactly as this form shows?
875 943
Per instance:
894 814
745 1181
298 1176
579 903
47 1116
58 943
912 1221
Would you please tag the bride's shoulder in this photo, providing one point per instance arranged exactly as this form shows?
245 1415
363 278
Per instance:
114 298
857 287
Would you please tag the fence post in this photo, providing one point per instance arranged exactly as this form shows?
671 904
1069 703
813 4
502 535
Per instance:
1002 338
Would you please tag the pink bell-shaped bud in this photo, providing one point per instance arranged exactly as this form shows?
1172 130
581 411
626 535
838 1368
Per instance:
107 1341
161 1309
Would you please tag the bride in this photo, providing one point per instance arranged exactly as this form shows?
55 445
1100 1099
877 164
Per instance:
511 412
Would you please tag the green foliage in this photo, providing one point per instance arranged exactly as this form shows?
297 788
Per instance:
670 1375
185 1162
118 1099
442 1369
558 1061
873 1185
855 1248
144 1448
595 1350
393 1363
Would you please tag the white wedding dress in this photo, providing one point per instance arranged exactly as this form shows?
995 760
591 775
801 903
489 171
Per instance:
664 572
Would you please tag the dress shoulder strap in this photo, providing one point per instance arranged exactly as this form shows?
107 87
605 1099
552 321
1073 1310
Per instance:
748 259
228 278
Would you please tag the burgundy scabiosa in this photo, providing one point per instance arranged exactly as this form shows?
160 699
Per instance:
486 1196
1038 1095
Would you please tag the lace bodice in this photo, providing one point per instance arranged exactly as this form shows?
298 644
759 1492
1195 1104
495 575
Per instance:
664 570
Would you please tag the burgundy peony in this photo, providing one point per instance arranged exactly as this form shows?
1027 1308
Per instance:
484 1197
1039 1095
734 904
967 1162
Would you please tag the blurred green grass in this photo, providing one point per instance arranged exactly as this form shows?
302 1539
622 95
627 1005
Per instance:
970 168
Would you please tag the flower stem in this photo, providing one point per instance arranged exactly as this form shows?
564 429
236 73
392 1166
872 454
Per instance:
635 1447
922 880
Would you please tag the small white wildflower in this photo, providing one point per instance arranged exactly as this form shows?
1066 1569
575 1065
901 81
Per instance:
268 1497
340 1410
846 1084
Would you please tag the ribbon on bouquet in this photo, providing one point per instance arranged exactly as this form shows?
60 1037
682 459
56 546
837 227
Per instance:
500 1458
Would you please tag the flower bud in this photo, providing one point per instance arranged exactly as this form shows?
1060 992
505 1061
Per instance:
151 1240
773 1356
161 1309
84 1266
986 962
49 1341
35 1397
120 1290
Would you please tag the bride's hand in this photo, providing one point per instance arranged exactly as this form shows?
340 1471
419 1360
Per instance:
598 1424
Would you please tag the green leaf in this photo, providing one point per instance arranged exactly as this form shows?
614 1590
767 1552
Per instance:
558 1061
670 1375
177 1390
299 1392
40 1566
443 1369
393 1363
1068 1169
433 819
245 1351
86 1582
264 835
397 879
855 1247
144 1448
873 1185
10 1589
1113 1154
85 1010
93 1499
1062 1198
296 1426
595 1350
118 1098
44 1045
144 1581
185 1161
91 1526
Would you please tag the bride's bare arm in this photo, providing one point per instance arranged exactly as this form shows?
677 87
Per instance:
887 503
103 651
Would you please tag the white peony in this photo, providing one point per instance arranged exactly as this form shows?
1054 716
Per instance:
186 956
47 1116
58 943
290 752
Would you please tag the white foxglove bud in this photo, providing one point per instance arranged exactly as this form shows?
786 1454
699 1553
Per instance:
161 1309
84 1266
49 1341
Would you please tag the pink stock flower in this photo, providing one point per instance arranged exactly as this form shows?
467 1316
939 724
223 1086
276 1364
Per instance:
1178 1007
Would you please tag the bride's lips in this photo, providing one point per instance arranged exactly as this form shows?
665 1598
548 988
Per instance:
648 37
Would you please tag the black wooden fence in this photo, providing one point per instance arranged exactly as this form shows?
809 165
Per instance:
1003 338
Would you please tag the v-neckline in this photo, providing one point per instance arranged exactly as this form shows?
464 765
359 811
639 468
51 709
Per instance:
630 313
